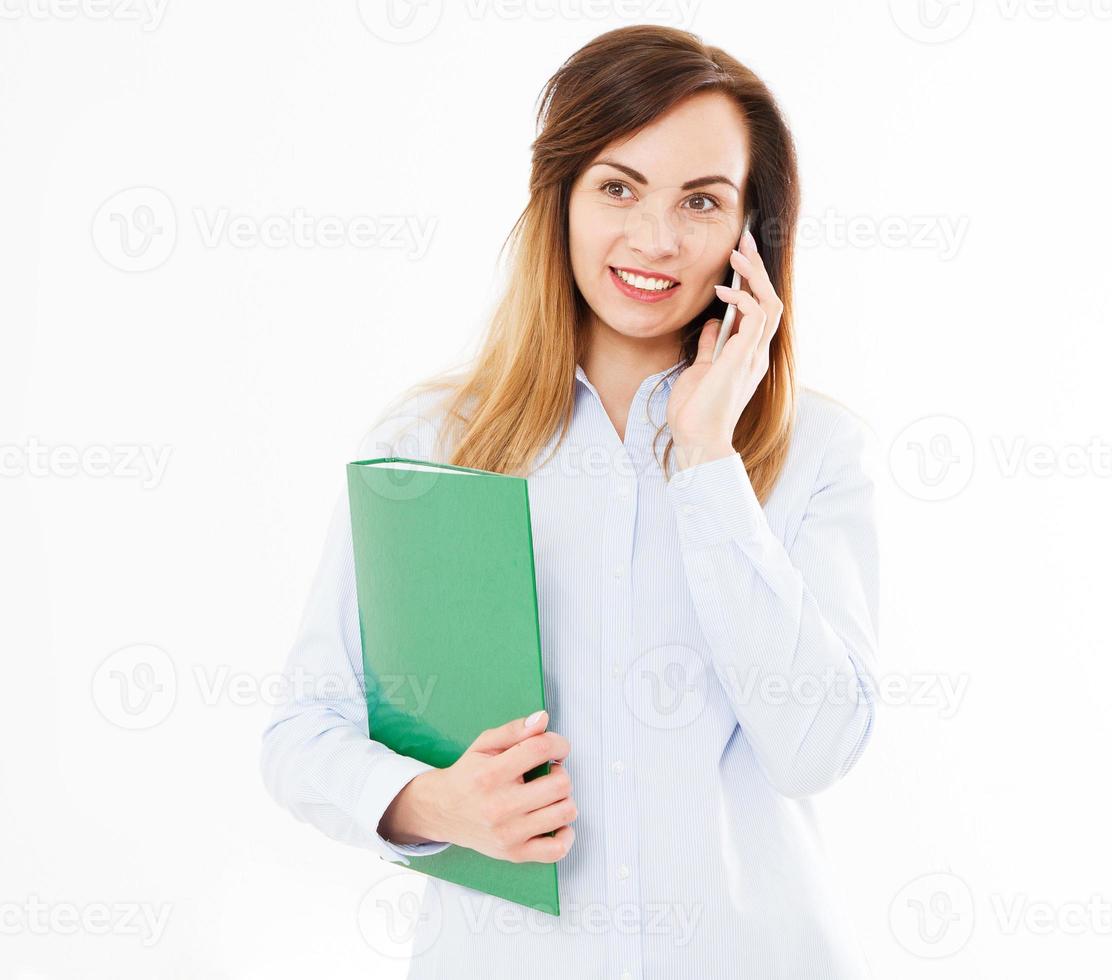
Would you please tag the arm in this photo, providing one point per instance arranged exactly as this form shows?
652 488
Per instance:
792 633
317 758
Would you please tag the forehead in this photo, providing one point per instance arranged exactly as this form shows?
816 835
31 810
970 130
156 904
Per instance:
704 134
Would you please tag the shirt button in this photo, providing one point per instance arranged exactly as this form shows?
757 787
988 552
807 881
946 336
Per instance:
617 766
618 571
688 509
623 871
616 670
623 493
626 975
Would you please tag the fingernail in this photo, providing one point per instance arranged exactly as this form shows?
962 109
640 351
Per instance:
749 238
533 718
719 285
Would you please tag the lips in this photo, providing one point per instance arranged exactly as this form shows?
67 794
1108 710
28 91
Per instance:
642 295
646 274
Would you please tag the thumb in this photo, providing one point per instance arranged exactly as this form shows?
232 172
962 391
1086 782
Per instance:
707 339
501 738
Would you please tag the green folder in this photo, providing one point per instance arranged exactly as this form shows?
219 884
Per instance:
451 637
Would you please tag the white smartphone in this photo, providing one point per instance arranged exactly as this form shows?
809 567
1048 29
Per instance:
727 327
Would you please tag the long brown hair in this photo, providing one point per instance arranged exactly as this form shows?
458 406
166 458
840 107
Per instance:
520 387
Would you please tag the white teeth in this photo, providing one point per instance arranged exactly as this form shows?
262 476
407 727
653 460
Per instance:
642 283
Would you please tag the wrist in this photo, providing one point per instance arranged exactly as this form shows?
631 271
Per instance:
692 454
412 816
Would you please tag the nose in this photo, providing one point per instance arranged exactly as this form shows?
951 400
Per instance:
652 232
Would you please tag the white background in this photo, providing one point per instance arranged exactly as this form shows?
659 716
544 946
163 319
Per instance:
967 318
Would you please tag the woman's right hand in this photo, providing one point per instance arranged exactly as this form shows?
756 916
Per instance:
482 801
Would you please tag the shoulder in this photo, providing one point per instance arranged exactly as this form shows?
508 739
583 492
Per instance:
831 441
410 426
821 417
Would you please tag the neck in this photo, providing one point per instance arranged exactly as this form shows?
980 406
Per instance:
616 365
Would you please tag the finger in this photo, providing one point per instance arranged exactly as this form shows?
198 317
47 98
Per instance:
736 296
548 849
749 313
552 817
756 276
707 338
543 790
749 248
740 348
501 738
753 267
744 304
520 758
766 295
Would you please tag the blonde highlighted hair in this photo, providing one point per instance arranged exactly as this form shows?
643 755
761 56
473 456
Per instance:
520 388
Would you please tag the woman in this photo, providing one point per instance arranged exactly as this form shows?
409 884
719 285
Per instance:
709 617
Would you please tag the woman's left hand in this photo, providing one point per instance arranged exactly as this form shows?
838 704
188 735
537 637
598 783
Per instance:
707 399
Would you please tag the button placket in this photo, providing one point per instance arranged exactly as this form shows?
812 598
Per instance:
621 824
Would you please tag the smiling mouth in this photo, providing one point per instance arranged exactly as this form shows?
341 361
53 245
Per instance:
649 284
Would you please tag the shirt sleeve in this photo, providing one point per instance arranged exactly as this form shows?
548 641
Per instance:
792 631
317 758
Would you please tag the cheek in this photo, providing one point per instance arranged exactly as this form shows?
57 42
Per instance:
590 249
707 273
580 240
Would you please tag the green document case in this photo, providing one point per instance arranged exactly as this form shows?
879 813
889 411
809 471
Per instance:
450 632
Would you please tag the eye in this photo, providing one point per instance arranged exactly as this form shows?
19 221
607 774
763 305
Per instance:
705 197
714 203
614 183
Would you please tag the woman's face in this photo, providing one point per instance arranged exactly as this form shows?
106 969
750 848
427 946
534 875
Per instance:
666 201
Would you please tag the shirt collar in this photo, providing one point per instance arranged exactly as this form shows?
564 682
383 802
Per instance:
669 375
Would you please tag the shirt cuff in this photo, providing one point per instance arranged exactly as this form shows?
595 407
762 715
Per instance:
715 502
386 780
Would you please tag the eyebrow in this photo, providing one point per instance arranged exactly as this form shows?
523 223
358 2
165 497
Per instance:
687 186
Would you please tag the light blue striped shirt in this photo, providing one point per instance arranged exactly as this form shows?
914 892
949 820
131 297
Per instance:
712 664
